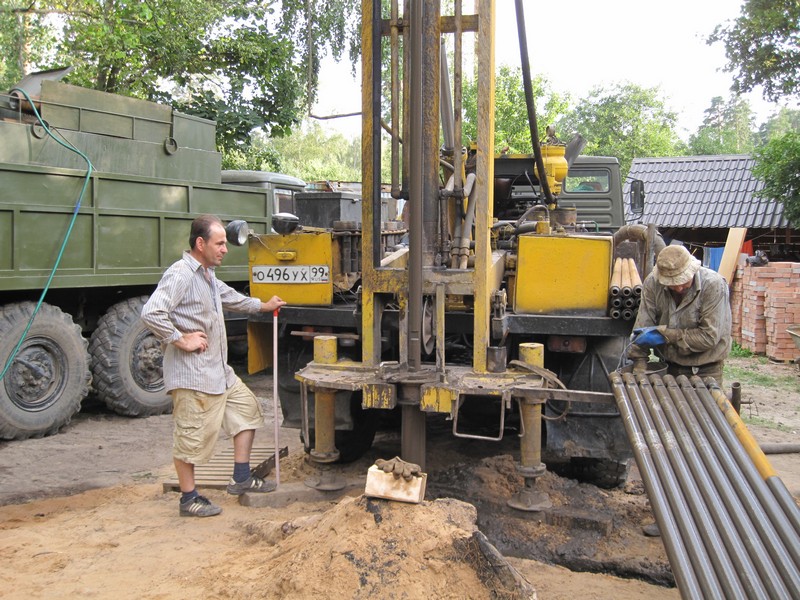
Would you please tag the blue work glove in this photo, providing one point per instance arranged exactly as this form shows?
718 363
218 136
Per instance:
648 337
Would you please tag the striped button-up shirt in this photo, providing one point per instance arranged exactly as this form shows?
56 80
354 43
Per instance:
190 298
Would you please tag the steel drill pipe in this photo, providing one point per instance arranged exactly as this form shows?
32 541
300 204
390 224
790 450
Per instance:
698 509
616 278
770 476
776 565
687 528
697 450
682 570
636 280
626 279
782 527
733 490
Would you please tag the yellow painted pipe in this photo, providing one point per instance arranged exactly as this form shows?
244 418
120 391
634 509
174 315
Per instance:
745 437
531 413
616 277
325 352
635 277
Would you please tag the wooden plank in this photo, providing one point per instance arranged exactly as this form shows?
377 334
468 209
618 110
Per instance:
216 473
733 247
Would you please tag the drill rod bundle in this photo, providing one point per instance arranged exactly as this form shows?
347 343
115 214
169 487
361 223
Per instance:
625 291
729 525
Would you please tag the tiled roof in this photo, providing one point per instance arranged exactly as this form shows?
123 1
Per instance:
703 191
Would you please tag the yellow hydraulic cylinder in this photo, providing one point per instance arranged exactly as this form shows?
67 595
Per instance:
531 467
531 441
325 350
325 405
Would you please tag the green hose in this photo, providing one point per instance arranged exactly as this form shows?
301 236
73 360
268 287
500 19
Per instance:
89 170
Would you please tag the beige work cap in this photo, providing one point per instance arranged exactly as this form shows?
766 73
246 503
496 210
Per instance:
675 266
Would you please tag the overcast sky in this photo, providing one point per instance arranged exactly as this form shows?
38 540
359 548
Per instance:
581 44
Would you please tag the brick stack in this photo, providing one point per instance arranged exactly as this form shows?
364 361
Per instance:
737 288
770 302
753 333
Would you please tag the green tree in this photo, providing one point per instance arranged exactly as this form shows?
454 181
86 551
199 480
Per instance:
784 121
244 63
727 128
626 121
762 47
26 40
313 155
777 164
512 132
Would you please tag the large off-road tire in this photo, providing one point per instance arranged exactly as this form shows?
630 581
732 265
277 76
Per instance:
49 377
127 362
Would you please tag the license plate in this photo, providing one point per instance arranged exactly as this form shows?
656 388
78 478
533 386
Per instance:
293 274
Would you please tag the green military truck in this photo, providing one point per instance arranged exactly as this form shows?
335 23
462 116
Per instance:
154 170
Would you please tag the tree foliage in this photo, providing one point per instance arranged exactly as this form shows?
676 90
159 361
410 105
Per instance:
762 46
312 155
784 121
727 128
626 121
777 164
247 64
512 132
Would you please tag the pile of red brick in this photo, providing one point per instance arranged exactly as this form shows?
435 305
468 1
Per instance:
765 301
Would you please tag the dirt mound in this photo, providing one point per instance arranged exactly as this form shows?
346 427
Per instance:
365 548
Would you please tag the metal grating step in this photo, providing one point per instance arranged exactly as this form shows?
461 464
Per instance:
216 473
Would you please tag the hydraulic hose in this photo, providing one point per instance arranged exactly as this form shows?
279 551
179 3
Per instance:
526 81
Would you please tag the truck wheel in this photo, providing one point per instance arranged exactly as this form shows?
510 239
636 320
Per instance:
44 386
127 362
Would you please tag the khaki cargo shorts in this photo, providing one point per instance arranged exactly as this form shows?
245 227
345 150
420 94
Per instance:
198 418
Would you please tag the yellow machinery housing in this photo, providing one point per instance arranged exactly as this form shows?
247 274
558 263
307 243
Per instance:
563 274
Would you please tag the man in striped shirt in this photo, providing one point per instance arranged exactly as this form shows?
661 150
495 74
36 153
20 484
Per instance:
185 314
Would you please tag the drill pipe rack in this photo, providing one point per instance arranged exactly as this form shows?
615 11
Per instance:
729 526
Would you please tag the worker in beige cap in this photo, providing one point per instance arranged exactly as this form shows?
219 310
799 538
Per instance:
689 306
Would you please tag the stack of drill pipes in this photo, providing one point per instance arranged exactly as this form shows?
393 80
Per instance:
616 278
687 529
768 474
758 505
717 492
636 280
682 569
775 528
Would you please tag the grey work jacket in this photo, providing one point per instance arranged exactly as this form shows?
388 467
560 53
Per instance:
702 320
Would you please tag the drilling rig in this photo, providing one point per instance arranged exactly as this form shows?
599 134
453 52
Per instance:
489 301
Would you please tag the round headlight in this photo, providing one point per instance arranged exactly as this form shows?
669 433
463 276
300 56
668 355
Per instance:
285 223
236 232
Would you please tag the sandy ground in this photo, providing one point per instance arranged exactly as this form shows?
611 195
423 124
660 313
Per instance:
84 515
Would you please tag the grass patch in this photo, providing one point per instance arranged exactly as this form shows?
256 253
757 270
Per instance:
738 352
749 375
762 422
